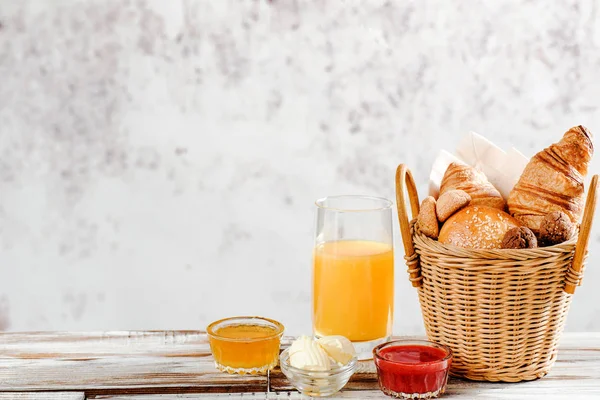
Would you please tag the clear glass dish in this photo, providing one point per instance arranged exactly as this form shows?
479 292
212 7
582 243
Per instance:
317 383
412 369
245 345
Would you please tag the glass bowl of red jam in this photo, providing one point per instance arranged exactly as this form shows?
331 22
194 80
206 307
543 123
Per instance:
412 369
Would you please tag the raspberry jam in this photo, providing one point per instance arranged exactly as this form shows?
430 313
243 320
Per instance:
412 368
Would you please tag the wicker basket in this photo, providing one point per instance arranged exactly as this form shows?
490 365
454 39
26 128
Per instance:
502 312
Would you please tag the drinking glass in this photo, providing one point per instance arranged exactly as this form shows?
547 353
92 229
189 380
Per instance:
353 270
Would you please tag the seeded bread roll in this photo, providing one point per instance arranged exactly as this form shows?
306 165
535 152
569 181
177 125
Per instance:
477 227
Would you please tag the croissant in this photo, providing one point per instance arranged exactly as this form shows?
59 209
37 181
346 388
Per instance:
553 180
474 182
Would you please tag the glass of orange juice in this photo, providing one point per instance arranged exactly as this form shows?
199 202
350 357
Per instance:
353 270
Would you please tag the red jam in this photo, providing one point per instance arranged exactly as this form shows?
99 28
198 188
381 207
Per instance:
416 367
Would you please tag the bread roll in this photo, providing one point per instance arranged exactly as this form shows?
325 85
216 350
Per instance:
450 202
519 238
427 220
464 177
556 227
477 227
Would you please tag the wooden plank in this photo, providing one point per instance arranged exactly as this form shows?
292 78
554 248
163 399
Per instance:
366 395
506 391
456 390
245 396
81 346
115 362
42 396
136 365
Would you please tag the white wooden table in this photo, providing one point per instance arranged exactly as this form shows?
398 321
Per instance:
163 365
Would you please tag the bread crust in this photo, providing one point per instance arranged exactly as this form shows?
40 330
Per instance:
555 228
427 219
477 227
450 202
553 180
519 238
474 182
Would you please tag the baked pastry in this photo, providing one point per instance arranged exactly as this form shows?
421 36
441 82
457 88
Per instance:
553 180
450 202
520 237
460 176
427 220
555 228
477 227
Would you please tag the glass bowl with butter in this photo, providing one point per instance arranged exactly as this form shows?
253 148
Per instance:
319 367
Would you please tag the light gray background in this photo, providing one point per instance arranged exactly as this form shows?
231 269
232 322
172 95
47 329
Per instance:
159 159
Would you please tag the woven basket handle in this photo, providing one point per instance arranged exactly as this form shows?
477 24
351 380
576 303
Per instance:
573 277
405 182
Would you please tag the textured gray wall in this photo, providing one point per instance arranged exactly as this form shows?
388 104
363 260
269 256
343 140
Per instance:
159 159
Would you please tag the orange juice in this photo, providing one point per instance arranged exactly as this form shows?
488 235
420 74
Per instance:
353 289
245 347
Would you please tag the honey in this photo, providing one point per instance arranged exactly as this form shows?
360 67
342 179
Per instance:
245 345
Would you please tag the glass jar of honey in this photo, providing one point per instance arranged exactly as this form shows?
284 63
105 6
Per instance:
245 345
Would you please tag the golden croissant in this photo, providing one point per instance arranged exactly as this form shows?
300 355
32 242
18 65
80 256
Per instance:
553 180
474 182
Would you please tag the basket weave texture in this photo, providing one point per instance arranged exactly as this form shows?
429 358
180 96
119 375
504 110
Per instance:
502 312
